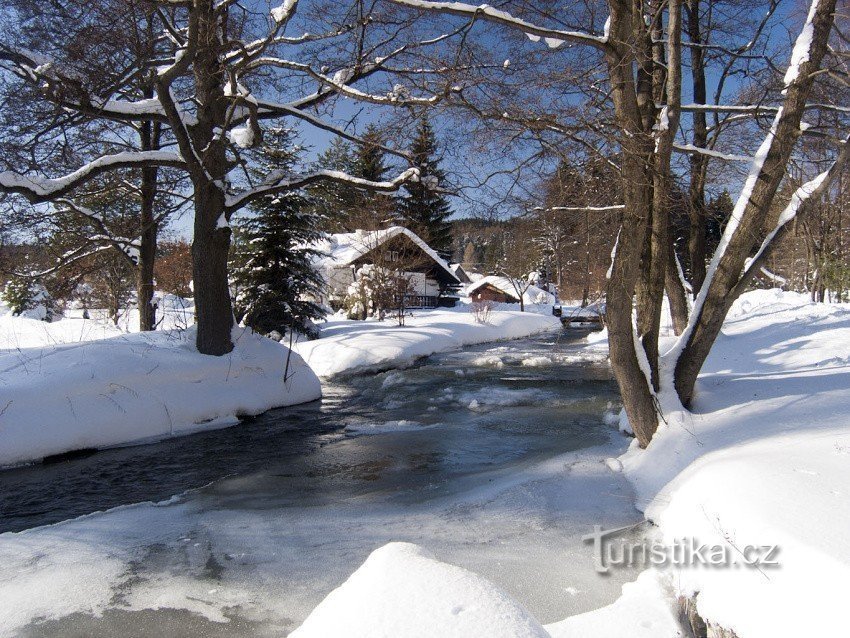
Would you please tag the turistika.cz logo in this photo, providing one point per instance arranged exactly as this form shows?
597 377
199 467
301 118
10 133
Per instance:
611 549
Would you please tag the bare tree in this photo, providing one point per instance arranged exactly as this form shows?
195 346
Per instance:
641 46
208 54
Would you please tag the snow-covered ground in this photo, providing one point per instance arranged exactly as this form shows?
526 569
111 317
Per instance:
347 346
764 460
82 383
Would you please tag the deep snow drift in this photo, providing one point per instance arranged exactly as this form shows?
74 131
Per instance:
347 346
78 384
401 590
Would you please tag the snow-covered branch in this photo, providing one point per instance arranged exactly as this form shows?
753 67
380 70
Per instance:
41 189
279 183
731 157
807 193
580 209
553 37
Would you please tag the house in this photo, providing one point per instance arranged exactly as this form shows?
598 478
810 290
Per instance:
503 290
348 256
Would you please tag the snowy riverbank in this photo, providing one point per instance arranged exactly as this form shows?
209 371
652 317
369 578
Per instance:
347 346
764 460
80 384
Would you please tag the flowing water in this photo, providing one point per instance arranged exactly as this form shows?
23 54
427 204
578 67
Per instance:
491 457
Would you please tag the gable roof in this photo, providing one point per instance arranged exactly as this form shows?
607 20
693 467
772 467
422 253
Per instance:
533 295
343 249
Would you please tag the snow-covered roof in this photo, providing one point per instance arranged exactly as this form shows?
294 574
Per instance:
532 295
342 249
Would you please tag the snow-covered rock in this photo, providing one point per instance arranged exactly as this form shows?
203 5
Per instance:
402 591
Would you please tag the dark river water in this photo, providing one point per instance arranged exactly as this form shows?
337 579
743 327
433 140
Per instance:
549 405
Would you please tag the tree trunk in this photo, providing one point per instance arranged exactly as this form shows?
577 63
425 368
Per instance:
148 231
210 249
696 187
211 242
637 147
676 293
723 286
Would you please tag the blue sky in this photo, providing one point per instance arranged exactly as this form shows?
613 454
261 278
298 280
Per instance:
317 140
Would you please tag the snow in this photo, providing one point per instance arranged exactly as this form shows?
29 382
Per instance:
42 187
347 346
802 47
401 590
283 12
77 384
763 460
387 427
242 136
644 610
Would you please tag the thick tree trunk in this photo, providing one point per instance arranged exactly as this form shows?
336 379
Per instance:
723 285
637 146
211 241
210 249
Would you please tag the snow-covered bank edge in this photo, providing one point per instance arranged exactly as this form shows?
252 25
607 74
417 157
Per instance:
760 469
138 388
353 347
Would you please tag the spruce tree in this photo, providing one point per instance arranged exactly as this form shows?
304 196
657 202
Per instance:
272 257
336 202
422 207
372 210
346 207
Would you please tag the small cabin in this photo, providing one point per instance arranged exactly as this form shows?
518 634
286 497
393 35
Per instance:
503 290
489 292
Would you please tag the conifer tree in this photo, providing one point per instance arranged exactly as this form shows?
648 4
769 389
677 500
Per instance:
372 210
422 207
336 202
271 261
346 207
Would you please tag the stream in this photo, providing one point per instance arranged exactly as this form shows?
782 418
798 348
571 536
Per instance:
491 457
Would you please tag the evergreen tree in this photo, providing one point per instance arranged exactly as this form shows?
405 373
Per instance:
372 210
370 161
271 260
423 208
718 211
346 207
336 202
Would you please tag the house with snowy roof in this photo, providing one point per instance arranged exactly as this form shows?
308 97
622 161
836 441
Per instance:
504 290
345 257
